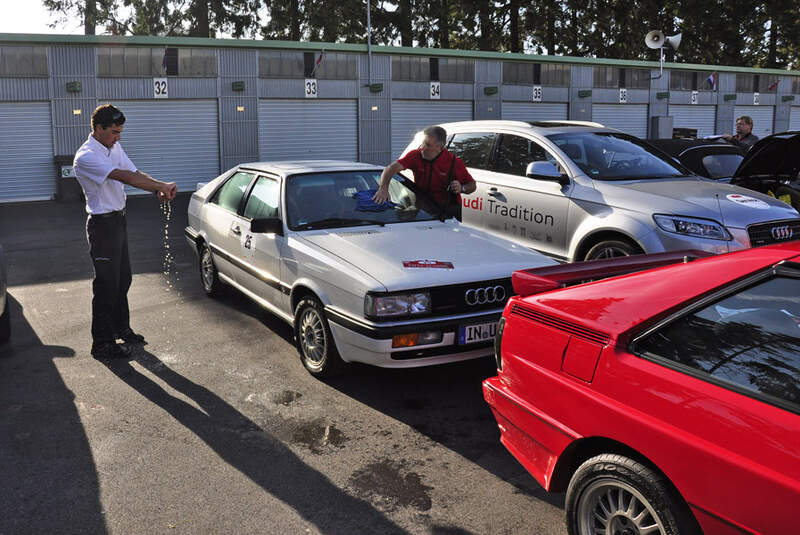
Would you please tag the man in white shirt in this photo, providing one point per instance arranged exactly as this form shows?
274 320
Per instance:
103 169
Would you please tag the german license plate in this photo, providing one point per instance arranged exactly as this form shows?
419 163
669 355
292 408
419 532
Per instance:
469 334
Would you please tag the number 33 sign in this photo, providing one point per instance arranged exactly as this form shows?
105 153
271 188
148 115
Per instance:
160 88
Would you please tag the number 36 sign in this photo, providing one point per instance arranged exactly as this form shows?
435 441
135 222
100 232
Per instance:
160 88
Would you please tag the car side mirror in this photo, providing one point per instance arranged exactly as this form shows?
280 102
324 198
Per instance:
546 171
267 225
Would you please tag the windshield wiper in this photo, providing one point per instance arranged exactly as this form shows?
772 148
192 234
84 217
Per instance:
329 222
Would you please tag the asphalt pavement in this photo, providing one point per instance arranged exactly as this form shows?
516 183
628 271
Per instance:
214 426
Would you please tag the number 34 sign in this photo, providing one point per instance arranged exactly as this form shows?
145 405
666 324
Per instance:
160 88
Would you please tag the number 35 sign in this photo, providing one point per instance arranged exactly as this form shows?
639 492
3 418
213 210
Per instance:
160 88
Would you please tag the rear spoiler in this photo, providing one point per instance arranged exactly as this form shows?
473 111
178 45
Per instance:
538 280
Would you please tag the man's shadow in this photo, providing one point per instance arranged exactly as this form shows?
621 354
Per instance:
254 452
48 477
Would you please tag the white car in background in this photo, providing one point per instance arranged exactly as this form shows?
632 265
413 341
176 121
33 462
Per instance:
392 286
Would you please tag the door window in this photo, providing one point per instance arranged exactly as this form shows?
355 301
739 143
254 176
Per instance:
263 201
515 153
229 196
749 340
474 149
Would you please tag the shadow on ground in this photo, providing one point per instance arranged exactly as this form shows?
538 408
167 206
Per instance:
49 479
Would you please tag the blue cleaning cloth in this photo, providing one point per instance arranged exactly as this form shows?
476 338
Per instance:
364 202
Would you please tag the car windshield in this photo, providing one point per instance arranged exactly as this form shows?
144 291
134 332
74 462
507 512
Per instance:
344 199
722 165
615 156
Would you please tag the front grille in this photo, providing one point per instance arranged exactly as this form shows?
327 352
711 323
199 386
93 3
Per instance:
449 300
774 232
562 325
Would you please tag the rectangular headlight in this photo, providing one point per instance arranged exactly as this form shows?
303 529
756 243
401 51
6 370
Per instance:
383 306
691 226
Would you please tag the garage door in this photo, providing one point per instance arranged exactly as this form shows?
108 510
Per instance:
630 118
794 119
27 171
762 118
411 116
535 111
173 140
702 118
307 129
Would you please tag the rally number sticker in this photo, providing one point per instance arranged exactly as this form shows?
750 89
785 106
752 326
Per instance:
311 88
746 200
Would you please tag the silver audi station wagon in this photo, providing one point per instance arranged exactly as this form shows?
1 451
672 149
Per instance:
394 285
579 191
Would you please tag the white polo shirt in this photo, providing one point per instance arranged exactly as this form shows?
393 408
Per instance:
93 162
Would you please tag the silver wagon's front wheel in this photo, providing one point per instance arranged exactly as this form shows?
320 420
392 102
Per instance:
314 340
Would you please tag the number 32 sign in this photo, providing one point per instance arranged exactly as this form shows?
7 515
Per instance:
160 88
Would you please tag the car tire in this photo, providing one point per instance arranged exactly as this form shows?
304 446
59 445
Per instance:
209 276
5 323
612 493
611 249
314 340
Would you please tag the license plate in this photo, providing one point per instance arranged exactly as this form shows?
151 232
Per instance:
469 334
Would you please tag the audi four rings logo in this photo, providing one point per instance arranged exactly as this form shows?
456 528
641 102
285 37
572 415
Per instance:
482 296
782 233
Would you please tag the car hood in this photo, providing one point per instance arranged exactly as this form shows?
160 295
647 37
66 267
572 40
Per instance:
696 197
427 249
776 156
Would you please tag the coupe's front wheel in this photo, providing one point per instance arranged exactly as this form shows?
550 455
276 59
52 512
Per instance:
314 340
208 273
617 495
612 249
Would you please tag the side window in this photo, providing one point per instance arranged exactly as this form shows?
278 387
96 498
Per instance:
230 194
474 149
516 152
263 201
750 339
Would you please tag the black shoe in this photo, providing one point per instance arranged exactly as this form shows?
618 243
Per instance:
130 337
110 351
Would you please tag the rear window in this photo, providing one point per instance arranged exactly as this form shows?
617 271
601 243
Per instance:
749 340
721 165
474 149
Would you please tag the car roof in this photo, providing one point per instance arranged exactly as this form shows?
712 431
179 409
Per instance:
543 127
616 305
293 167
677 147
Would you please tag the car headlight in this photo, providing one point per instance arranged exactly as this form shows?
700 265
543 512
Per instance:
691 226
412 304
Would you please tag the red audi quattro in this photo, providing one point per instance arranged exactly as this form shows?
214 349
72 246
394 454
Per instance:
664 401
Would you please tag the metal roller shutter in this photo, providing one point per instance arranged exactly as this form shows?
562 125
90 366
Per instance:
794 119
172 140
762 116
703 118
630 118
27 171
535 111
307 129
411 116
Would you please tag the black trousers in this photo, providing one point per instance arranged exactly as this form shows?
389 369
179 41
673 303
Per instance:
108 247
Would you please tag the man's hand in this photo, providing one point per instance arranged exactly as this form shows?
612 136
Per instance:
381 196
455 187
726 136
167 191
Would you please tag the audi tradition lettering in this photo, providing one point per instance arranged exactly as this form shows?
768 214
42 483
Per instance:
515 212
782 233
483 296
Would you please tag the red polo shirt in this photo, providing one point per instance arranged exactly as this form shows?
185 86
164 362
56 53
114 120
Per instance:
431 175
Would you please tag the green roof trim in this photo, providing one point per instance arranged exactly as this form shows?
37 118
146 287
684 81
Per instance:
55 39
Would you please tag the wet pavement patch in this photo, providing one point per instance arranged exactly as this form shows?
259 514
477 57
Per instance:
286 398
388 486
318 436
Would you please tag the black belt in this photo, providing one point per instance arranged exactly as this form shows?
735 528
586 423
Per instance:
118 213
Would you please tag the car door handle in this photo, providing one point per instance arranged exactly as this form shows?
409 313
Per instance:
236 230
494 193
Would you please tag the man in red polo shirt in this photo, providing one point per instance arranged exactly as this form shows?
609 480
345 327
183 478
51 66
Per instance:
432 164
